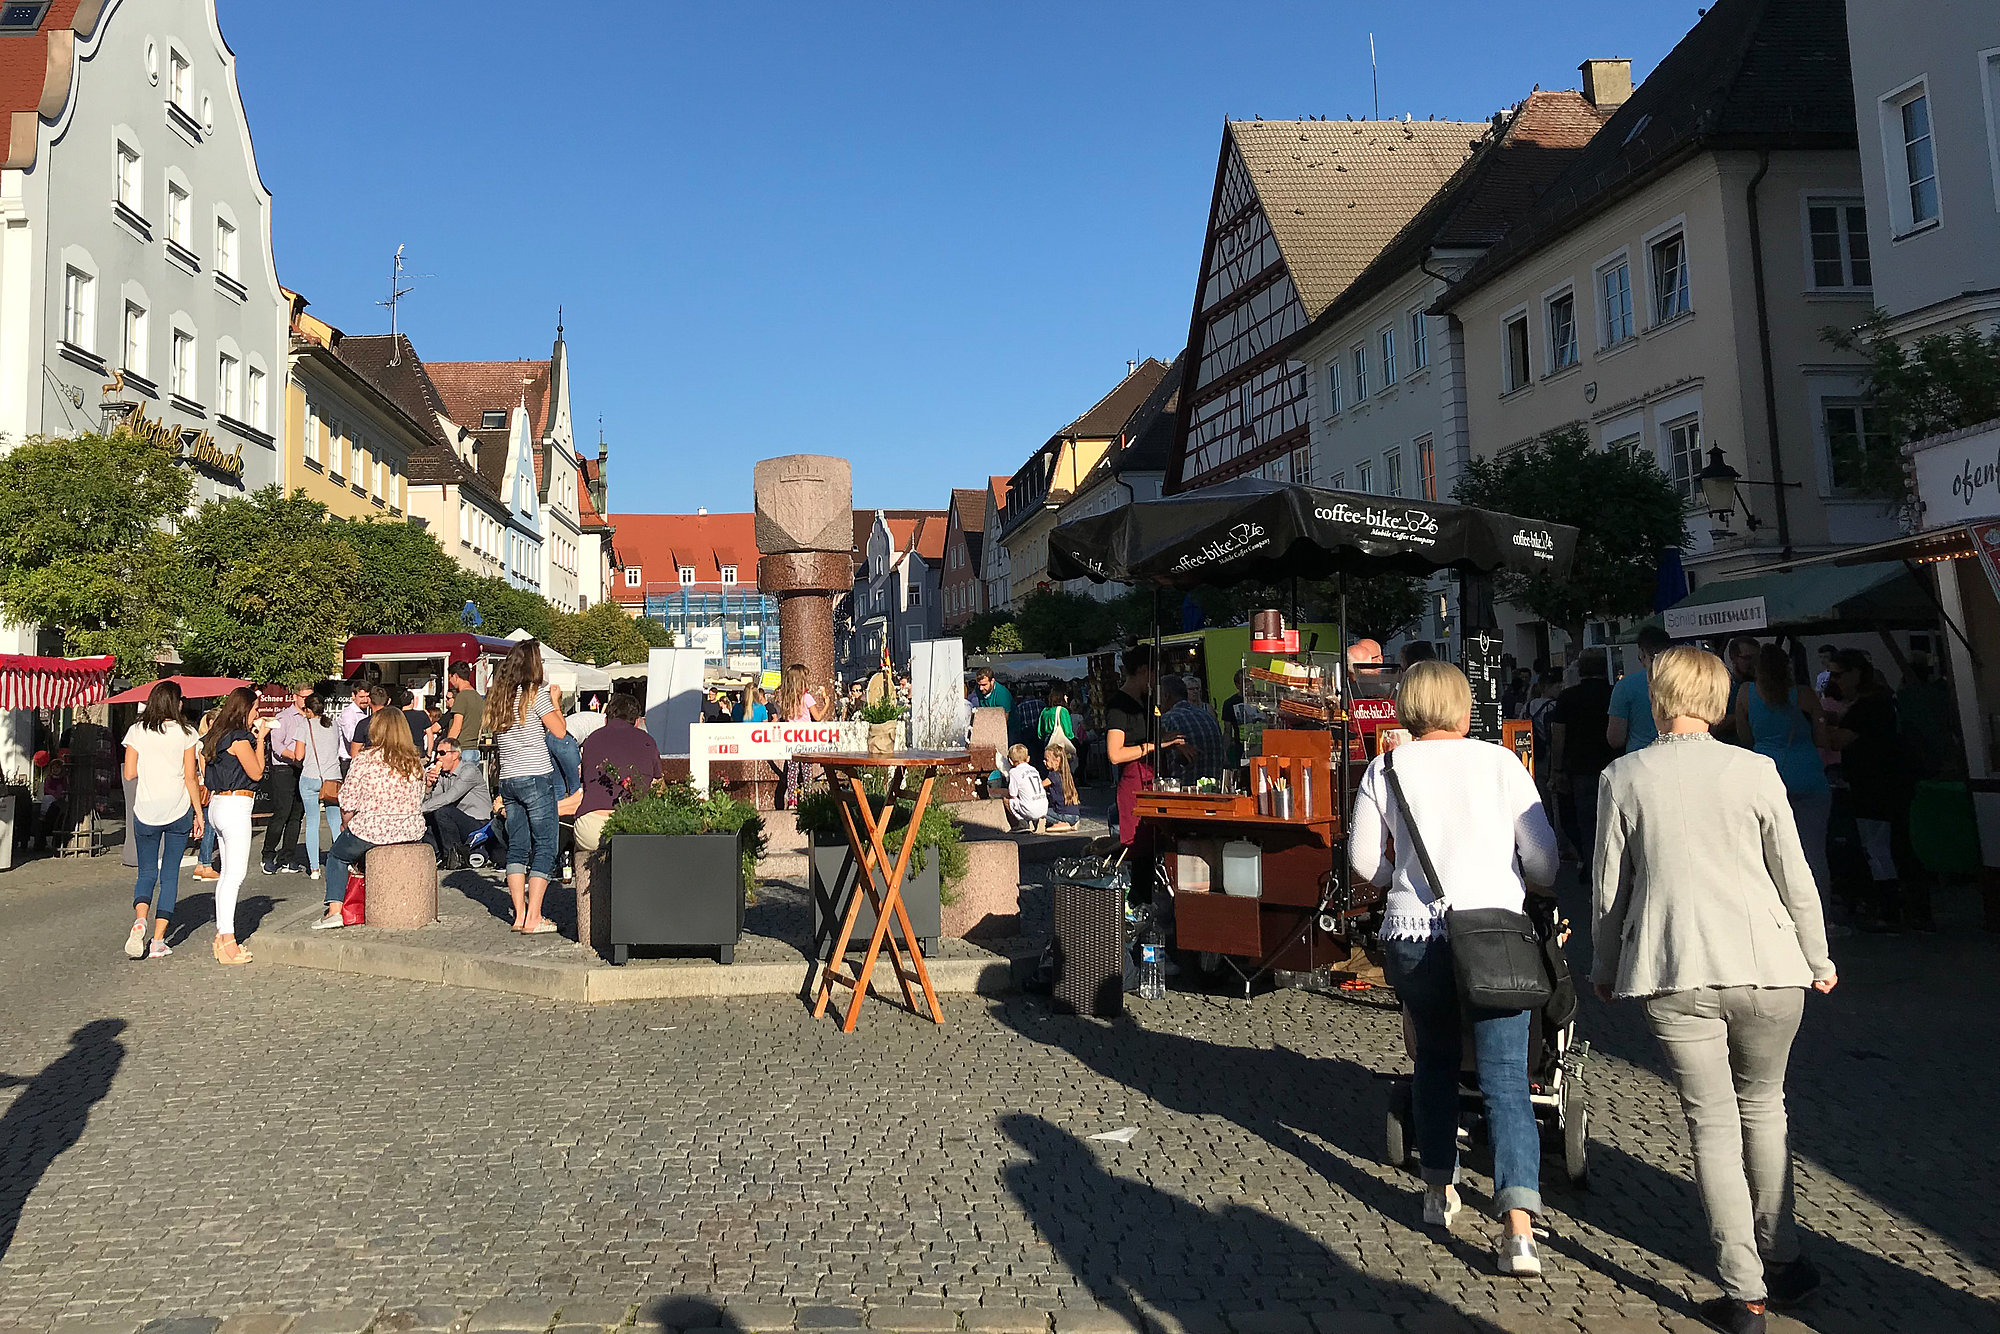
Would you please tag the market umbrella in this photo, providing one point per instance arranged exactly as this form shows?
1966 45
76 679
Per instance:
1249 529
192 687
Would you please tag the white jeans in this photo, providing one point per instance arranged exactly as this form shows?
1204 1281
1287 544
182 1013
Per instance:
231 818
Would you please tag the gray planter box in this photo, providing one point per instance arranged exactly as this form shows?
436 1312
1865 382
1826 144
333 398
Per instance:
677 891
834 880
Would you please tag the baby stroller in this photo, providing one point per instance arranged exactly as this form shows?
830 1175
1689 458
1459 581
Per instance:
1555 1069
484 847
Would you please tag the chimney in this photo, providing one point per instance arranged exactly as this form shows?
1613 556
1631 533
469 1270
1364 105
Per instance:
1607 84
700 512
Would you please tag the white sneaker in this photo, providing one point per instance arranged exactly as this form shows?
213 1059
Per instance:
1440 1206
135 944
1516 1255
333 923
315 874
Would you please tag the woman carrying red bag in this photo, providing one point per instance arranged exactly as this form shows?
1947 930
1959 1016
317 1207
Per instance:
383 800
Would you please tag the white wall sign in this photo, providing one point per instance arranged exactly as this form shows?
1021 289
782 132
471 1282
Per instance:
1958 477
937 690
778 742
1716 618
707 638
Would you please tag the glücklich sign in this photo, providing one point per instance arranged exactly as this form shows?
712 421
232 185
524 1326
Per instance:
1716 618
708 742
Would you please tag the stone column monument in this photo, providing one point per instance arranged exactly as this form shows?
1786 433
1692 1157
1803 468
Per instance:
805 537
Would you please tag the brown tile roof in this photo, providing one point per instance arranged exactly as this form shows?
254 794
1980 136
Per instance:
1750 74
408 385
1335 192
1150 431
1106 418
969 505
472 388
1496 186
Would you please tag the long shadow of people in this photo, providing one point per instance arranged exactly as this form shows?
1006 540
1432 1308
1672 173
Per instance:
50 1113
198 910
1140 1249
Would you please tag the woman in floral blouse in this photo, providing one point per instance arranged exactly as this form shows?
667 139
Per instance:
382 799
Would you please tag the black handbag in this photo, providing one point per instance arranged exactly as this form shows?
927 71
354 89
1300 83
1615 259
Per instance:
1496 953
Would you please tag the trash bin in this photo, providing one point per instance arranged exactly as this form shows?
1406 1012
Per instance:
1090 947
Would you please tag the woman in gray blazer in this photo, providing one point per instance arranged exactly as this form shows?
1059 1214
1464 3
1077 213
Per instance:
1706 910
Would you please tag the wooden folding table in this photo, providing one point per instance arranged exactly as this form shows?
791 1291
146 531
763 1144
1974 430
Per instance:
876 876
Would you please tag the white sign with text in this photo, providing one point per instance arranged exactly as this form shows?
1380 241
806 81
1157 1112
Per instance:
1716 618
1958 478
777 742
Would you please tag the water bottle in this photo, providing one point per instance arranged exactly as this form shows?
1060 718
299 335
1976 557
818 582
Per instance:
1152 966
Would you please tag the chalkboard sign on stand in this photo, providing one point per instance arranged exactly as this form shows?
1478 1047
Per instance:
1483 668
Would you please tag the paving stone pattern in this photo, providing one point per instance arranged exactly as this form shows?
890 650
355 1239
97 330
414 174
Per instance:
290 1152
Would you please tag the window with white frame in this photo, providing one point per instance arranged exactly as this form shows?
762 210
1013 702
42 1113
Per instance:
336 454
1420 340
1515 347
1855 434
228 386
1670 277
1913 178
1614 303
1387 340
179 82
1630 443
1333 385
1837 235
1302 466
225 247
312 435
1392 473
1427 478
181 381
133 354
1562 331
1682 447
180 215
729 574
1360 360
130 188
1364 477
79 308
255 403
632 576
1339 481
687 574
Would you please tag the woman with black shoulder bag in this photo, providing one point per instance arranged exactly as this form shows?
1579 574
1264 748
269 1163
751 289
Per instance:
1455 831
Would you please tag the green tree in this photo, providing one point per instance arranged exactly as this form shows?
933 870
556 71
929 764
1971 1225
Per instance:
1005 638
265 587
407 584
978 632
1940 382
504 609
604 634
655 634
1056 623
1625 509
83 543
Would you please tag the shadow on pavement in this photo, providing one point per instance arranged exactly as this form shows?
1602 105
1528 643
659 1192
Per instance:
198 910
50 1112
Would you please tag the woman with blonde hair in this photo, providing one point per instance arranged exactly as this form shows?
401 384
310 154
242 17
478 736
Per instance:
1448 824
236 756
523 715
1706 910
382 798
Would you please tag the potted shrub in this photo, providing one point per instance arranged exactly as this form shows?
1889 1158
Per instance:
884 718
683 864
937 863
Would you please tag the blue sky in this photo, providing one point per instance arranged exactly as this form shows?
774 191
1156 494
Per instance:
922 237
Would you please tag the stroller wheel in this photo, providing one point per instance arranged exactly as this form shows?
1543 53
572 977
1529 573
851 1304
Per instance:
1576 1136
476 859
1399 1127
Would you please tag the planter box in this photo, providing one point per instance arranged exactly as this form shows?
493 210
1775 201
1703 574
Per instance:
835 878
675 890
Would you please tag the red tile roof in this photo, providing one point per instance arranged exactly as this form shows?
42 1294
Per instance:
660 544
998 486
931 532
25 71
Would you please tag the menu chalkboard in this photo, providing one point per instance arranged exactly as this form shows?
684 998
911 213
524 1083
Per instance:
1481 652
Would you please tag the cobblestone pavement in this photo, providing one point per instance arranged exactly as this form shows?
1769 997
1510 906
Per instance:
182 1139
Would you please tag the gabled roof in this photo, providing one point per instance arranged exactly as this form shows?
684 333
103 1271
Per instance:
968 505
1148 433
1335 192
998 487
1107 417
472 388
929 542
864 523
1498 184
408 385
1752 74
660 544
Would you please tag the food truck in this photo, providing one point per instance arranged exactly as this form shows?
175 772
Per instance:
421 662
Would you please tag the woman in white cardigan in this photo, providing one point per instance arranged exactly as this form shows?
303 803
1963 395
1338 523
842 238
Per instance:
1707 910
1490 840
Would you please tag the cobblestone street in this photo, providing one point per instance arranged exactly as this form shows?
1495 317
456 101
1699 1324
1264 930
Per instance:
182 1139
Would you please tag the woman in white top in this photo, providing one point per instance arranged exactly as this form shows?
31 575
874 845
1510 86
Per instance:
1490 841
166 811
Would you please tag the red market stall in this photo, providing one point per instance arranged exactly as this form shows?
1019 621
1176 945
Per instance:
53 683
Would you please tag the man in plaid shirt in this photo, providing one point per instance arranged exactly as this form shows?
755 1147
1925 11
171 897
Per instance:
1202 752
1026 717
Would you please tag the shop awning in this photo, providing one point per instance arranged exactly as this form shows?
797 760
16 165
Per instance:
52 683
1814 599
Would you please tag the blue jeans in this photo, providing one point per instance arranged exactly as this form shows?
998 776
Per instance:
160 848
346 850
207 839
309 798
566 752
532 828
1420 970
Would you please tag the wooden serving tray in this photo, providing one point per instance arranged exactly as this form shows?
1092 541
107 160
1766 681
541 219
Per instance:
1195 805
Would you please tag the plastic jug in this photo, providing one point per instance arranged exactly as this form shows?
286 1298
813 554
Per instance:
1242 869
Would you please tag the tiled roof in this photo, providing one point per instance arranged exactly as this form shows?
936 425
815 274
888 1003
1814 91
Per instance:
1335 191
586 510
473 388
930 537
26 77
1498 184
998 486
408 385
969 505
1750 74
659 544
1107 417
864 523
1150 432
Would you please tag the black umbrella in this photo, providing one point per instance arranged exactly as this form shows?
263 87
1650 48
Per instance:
1252 530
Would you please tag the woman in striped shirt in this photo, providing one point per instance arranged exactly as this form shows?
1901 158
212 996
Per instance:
524 716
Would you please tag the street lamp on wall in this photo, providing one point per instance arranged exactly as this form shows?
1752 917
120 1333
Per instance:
1720 494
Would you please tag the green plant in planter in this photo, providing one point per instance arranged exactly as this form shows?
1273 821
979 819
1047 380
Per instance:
883 711
678 810
819 813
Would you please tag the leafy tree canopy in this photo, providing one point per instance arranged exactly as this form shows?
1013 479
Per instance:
1940 382
1625 509
505 609
604 634
265 587
406 585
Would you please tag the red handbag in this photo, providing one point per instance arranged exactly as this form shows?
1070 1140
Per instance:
354 904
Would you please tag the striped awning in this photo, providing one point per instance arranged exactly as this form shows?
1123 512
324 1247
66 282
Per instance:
52 683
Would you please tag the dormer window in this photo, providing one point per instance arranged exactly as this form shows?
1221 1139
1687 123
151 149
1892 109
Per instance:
632 576
687 575
729 574
23 17
493 419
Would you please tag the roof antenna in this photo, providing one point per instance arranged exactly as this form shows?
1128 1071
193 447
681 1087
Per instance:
1374 83
396 293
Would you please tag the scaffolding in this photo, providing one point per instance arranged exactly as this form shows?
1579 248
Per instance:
735 623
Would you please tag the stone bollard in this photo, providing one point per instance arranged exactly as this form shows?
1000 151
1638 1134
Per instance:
402 886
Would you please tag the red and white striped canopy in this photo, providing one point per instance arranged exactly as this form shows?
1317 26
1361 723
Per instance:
52 683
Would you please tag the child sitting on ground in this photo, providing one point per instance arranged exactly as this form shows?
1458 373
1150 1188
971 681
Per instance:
1027 801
